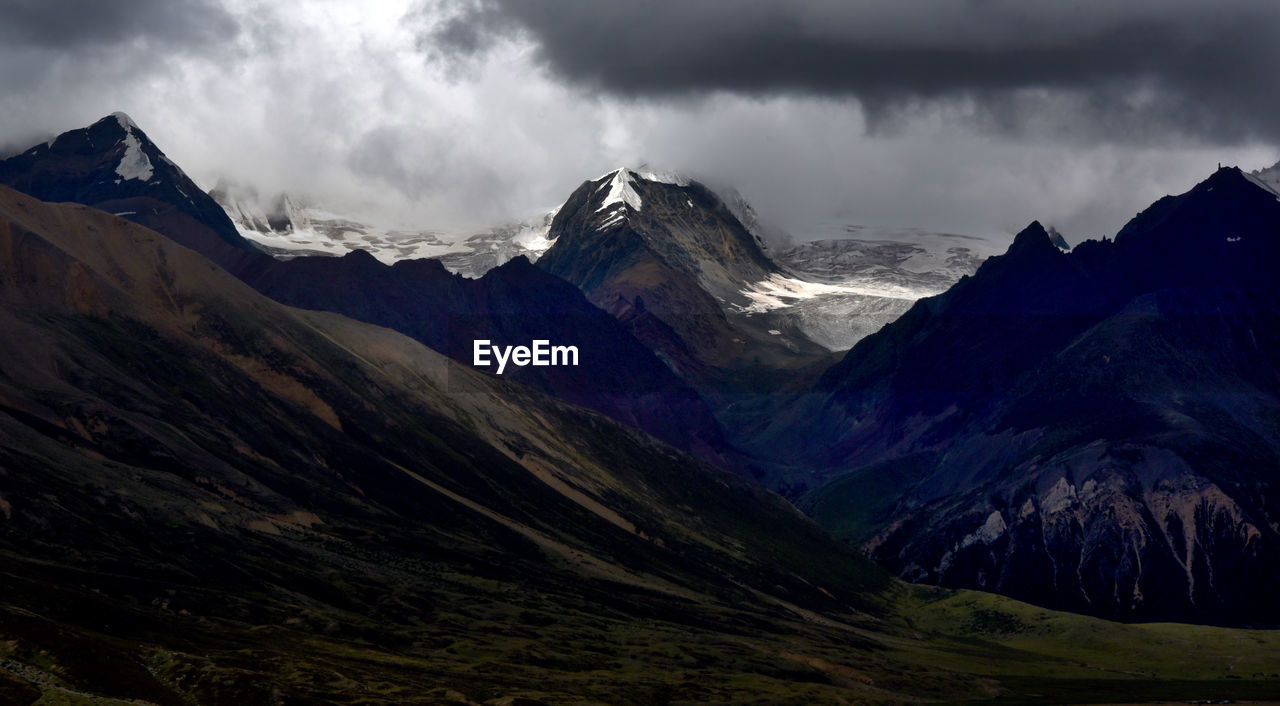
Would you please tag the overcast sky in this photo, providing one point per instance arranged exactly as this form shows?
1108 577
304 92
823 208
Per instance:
971 116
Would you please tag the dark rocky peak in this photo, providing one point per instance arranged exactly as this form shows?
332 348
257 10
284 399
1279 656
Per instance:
519 288
520 266
359 255
628 217
1033 275
422 267
1224 231
1033 238
114 150
1228 203
112 165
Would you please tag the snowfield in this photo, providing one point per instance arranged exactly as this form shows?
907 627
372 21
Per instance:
286 228
840 290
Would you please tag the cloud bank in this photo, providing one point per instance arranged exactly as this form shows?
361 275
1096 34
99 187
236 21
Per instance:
962 115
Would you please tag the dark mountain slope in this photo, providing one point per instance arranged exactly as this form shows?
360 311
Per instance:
209 496
511 305
1096 430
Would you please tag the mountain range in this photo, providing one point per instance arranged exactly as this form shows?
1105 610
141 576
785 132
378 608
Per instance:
185 459
286 226
686 270
510 305
210 496
1095 430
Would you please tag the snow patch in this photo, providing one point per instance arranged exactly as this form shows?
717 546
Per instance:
534 240
288 227
134 164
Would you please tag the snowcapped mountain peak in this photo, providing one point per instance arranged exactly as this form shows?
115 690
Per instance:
621 191
134 162
126 122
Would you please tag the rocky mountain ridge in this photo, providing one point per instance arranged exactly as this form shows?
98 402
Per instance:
1094 430
511 305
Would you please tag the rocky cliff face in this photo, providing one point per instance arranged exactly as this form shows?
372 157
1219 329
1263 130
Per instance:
1093 532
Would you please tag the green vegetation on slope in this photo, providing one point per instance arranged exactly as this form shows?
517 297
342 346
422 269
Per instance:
1044 656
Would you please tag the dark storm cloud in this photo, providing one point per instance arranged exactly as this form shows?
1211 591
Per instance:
77 25
331 100
1132 71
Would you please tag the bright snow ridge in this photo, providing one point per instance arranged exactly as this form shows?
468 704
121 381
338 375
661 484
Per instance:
134 164
621 190
779 291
